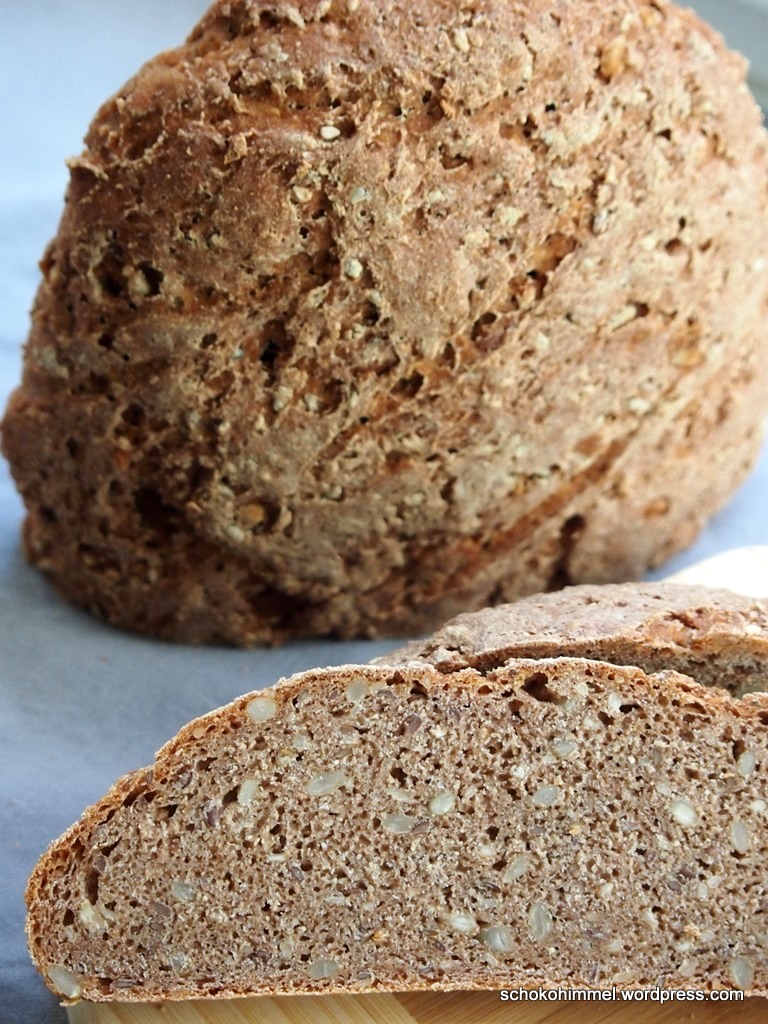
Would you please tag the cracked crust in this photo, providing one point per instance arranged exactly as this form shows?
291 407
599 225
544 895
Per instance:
715 636
363 314
491 822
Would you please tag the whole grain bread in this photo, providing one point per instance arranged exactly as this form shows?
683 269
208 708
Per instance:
516 821
361 314
715 636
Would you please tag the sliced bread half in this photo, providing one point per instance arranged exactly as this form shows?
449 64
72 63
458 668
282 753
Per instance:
513 821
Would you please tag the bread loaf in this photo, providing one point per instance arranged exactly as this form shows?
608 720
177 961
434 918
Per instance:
499 822
717 637
361 314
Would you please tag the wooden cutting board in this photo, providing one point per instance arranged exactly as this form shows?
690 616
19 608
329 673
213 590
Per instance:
744 570
416 1008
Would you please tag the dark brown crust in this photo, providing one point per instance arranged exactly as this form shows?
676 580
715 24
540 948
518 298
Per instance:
504 332
695 737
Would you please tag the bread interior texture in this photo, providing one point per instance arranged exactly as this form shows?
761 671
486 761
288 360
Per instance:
553 821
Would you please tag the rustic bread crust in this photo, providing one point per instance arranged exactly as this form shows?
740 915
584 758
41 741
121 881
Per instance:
713 635
361 314
555 821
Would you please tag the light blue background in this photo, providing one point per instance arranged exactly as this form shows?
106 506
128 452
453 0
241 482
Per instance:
81 703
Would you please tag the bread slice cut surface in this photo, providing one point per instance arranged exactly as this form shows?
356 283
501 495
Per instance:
551 821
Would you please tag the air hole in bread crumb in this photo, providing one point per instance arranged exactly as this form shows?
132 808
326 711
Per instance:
324 266
527 289
155 513
549 254
480 328
431 102
693 708
325 397
92 884
134 415
345 127
738 749
409 387
268 20
448 356
242 85
371 314
276 347
133 796
452 161
153 277
537 686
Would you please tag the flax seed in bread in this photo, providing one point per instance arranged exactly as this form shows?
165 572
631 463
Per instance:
500 822
363 314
